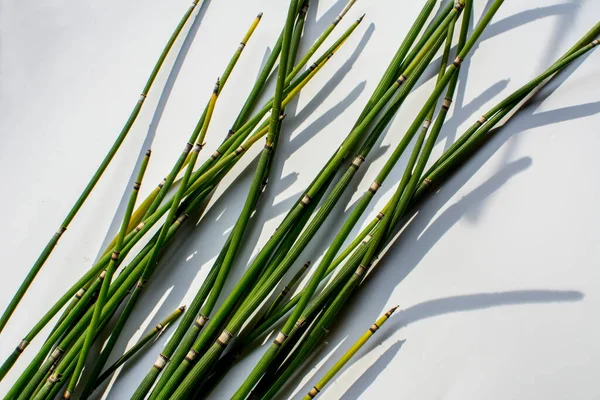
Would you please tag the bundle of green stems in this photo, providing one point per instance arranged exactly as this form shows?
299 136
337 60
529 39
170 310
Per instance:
208 340
97 296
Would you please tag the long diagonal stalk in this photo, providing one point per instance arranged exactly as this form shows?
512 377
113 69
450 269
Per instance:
459 156
96 177
348 355
280 84
117 293
145 226
258 185
434 171
253 140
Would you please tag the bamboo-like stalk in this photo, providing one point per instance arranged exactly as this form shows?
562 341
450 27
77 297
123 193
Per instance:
280 84
457 157
440 173
152 334
294 70
112 266
260 177
406 187
348 355
150 204
39 263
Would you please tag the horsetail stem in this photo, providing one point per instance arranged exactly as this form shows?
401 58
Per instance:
292 72
39 263
349 354
206 361
317 276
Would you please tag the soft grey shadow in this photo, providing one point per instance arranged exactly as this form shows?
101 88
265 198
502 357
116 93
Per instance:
443 306
370 375
479 301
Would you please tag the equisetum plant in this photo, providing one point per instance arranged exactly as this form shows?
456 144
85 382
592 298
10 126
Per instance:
220 327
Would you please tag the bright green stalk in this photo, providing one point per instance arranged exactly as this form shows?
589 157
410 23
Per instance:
280 84
348 355
178 356
296 36
112 267
232 250
457 158
160 327
146 226
90 186
282 310
402 196
429 31
74 339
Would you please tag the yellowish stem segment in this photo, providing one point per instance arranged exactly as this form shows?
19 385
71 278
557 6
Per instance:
349 354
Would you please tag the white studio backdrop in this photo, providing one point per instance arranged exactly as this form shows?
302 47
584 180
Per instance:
497 277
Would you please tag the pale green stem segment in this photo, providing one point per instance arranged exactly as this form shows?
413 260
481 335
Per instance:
146 225
122 286
460 156
92 183
348 355
206 309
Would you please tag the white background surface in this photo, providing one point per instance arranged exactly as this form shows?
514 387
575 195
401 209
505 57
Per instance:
497 277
